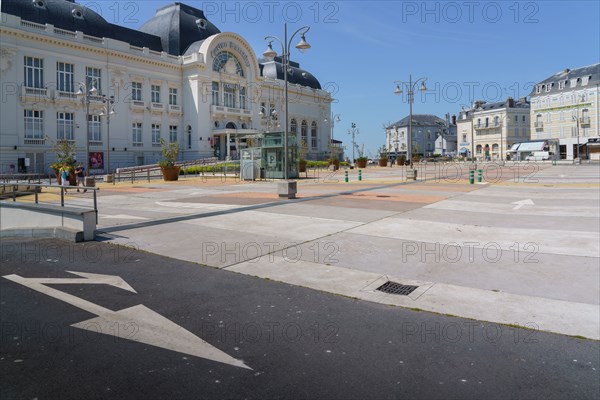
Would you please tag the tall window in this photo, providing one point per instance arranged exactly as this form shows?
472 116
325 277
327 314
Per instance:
243 98
155 134
64 126
304 132
293 126
172 133
64 77
34 124
173 96
313 135
93 78
229 95
136 91
136 133
215 93
516 118
34 72
95 127
155 93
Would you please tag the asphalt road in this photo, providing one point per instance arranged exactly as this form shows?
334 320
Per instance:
296 342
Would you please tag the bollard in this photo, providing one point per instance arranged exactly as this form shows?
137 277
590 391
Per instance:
360 174
471 177
346 176
554 162
479 175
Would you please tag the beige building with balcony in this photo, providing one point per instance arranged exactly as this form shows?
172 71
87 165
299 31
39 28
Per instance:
564 107
488 130
177 78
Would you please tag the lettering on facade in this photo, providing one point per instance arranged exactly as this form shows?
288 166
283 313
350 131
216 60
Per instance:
233 46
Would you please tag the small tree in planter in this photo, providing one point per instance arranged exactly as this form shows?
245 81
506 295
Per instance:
401 160
361 161
167 165
382 156
65 153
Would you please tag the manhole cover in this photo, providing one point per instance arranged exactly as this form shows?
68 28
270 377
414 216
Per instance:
396 288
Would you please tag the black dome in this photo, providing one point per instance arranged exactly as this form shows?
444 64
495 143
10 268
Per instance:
62 14
274 70
65 14
178 26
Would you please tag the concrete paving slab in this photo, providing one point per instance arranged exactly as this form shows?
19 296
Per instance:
525 272
563 317
576 243
501 218
310 209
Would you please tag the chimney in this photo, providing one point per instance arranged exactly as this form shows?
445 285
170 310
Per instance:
510 103
454 120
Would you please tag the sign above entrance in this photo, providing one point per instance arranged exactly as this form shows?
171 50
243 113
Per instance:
231 45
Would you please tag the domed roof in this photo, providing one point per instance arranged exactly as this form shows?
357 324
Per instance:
70 16
273 69
62 14
178 26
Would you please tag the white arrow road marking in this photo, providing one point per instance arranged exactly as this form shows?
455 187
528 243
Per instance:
137 323
522 203
120 216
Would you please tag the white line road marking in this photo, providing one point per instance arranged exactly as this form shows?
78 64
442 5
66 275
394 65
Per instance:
137 323
120 216
521 203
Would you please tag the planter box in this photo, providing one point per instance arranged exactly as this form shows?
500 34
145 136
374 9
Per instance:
361 163
170 173
383 162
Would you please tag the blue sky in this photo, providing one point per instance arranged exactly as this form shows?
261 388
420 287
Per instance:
468 50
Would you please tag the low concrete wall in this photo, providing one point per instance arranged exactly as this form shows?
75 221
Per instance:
35 220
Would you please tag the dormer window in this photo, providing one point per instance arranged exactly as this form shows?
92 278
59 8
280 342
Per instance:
77 13
39 4
538 89
548 87
561 85
585 80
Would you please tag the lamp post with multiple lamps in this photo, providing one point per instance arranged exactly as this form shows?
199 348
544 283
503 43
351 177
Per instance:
580 98
334 118
108 111
83 91
272 117
285 55
410 89
353 131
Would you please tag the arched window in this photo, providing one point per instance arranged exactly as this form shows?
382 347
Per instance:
313 135
226 62
293 126
478 149
495 147
304 132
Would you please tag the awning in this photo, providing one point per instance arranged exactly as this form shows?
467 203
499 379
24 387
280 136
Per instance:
465 150
531 146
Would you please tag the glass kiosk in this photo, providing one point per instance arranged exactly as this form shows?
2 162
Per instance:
263 158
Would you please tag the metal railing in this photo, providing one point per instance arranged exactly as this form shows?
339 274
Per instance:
37 189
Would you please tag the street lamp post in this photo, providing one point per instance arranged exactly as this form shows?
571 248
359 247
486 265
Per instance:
83 91
353 132
410 87
285 54
334 118
109 109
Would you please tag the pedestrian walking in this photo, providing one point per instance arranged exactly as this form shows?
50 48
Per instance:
64 177
80 173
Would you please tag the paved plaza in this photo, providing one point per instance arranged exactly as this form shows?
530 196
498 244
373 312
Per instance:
521 248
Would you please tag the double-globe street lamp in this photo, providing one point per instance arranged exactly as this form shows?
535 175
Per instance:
108 111
410 89
83 91
285 55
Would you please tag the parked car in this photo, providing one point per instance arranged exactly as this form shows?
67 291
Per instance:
539 156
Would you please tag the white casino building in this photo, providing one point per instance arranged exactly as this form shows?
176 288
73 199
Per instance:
178 78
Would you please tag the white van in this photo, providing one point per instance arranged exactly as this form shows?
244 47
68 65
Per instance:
540 156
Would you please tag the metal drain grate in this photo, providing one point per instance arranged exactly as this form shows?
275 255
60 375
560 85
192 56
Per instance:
396 288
